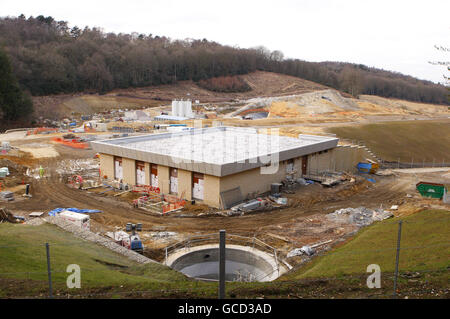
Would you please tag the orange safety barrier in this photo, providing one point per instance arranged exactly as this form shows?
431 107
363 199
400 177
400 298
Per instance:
173 203
146 189
40 130
173 206
153 195
71 143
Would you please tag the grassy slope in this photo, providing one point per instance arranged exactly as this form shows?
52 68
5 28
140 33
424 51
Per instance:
422 140
101 269
377 245
341 273
121 274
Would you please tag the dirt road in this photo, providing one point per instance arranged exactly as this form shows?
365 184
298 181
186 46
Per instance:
52 193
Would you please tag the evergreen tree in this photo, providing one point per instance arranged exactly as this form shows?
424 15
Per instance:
14 104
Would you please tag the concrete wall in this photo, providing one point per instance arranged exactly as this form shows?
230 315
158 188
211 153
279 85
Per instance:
107 165
147 173
252 182
342 158
185 184
211 191
129 171
163 179
320 162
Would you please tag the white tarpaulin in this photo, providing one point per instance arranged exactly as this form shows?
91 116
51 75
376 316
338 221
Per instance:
173 184
140 176
155 180
198 190
118 169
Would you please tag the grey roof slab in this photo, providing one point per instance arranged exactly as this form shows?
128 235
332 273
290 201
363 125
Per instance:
218 151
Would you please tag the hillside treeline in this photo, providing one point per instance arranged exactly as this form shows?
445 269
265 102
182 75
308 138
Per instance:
49 57
14 104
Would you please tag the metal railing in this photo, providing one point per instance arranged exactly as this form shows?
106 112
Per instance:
198 240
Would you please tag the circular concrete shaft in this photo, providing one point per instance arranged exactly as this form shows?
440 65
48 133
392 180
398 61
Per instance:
242 263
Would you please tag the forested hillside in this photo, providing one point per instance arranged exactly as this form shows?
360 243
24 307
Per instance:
14 104
48 57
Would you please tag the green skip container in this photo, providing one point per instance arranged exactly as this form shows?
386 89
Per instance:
432 190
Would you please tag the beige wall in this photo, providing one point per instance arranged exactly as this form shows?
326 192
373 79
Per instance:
129 171
185 184
211 195
163 179
147 173
252 182
107 165
341 158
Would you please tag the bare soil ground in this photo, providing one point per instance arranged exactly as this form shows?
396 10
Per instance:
290 223
262 84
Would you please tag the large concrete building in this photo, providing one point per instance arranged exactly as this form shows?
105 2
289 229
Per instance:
218 165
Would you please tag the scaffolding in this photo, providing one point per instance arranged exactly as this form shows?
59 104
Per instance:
155 202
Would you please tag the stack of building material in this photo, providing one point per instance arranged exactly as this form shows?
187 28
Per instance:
6 196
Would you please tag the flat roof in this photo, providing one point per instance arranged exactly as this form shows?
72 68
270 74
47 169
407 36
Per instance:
217 151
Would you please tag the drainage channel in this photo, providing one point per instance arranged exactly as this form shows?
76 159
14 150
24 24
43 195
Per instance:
244 263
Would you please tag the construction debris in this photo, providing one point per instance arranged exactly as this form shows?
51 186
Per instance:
7 216
360 216
324 178
305 250
86 167
308 250
6 196
256 204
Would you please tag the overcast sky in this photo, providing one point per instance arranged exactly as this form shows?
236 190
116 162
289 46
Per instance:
394 35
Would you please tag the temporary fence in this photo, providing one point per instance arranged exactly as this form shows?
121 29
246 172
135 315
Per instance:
156 202
71 143
42 130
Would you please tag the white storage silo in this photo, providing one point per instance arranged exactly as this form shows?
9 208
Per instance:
188 109
182 108
174 107
178 108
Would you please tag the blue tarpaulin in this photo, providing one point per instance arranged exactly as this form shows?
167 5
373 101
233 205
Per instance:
75 210
364 167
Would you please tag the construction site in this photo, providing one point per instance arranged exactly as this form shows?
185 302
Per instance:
157 183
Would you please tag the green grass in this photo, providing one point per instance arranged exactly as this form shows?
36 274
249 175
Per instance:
377 245
421 140
24 260
23 268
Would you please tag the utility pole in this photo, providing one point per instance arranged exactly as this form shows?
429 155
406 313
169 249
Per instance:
49 271
222 264
397 257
